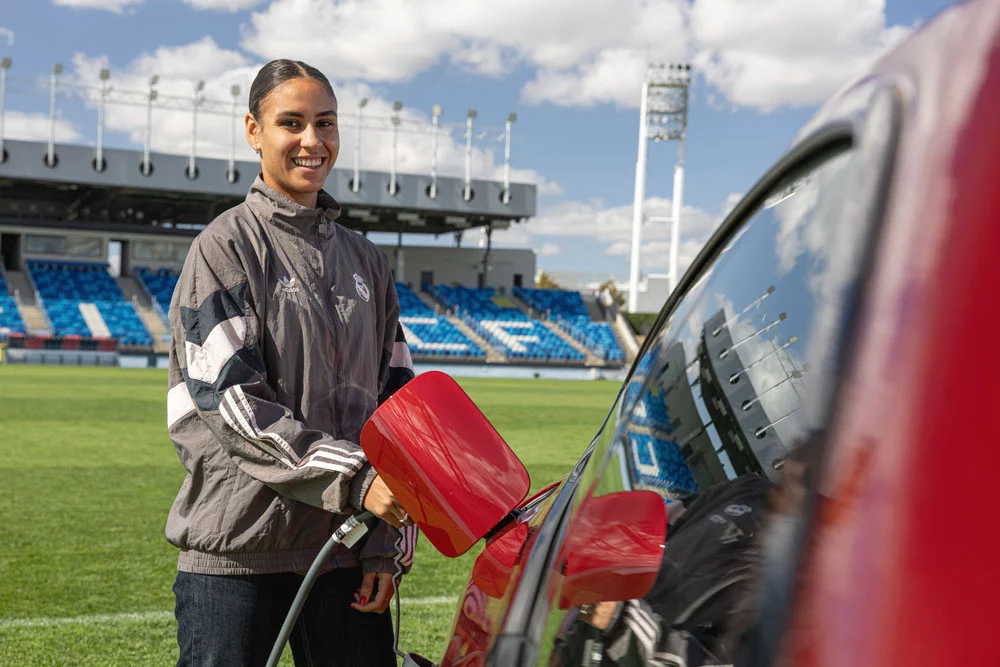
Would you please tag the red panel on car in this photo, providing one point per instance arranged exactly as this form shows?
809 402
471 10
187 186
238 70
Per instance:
614 548
444 461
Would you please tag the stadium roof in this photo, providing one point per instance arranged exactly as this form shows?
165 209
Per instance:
73 194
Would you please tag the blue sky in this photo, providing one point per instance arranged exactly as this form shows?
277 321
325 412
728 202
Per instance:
571 69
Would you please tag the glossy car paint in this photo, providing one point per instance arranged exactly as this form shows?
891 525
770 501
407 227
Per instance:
444 461
614 548
903 568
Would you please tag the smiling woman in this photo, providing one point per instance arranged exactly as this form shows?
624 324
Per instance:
285 339
292 125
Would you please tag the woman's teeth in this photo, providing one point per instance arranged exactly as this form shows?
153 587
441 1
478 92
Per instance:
308 161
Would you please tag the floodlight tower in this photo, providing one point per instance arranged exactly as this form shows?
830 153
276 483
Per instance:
50 155
662 117
4 66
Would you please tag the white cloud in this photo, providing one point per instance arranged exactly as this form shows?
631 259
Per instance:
35 127
777 53
611 227
549 249
763 55
115 6
223 5
7 34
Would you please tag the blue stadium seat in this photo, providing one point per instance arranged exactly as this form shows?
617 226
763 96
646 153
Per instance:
568 311
659 464
159 284
429 334
504 326
64 285
10 317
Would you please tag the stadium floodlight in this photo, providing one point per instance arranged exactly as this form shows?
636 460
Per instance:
4 66
467 190
104 89
435 120
511 118
662 117
196 101
147 167
356 183
50 156
397 106
231 174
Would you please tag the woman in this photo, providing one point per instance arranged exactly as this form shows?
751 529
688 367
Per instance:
284 332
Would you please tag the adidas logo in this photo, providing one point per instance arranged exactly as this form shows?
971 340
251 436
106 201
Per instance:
288 285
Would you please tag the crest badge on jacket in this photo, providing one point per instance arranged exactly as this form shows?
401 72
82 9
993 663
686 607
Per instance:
362 288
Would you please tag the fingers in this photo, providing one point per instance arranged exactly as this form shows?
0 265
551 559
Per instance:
383 595
382 503
362 598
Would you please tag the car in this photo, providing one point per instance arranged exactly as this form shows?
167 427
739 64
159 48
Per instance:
824 345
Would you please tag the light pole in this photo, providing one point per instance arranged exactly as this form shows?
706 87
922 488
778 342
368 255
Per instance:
356 183
4 66
147 168
231 174
50 156
662 117
101 108
435 120
467 191
506 158
396 107
192 170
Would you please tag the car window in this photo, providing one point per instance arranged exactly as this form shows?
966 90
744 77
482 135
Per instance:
734 382
722 390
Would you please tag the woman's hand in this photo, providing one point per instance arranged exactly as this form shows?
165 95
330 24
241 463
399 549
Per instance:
363 600
380 502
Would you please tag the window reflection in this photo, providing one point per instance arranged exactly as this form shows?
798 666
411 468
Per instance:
713 419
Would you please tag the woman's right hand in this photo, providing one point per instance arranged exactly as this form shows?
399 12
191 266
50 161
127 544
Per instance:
380 502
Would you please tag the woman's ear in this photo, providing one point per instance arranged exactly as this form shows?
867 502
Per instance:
253 131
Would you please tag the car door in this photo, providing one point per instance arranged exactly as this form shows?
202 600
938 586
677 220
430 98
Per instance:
737 379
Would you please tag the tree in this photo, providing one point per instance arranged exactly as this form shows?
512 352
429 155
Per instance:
544 281
610 287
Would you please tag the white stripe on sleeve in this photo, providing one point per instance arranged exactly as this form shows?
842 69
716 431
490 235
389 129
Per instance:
205 362
179 403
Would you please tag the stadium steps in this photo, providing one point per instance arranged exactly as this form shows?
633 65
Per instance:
492 356
431 302
95 322
150 318
32 314
523 307
592 359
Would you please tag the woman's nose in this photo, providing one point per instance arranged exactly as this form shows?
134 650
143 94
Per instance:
309 136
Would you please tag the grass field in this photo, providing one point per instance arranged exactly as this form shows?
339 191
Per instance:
87 475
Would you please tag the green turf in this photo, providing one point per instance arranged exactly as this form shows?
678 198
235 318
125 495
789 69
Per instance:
87 475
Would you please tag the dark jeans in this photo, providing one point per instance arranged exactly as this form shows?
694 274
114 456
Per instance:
233 621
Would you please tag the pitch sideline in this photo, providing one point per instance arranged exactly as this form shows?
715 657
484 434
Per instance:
149 616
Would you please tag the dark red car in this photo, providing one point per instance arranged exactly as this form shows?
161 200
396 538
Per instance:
824 344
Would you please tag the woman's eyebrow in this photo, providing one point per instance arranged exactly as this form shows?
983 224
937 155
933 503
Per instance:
297 114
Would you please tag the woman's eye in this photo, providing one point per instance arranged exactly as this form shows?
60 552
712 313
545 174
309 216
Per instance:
289 123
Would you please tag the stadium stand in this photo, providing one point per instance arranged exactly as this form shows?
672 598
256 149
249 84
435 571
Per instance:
82 299
567 310
159 286
660 465
430 334
10 317
498 320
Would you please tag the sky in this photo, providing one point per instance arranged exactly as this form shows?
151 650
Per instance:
571 70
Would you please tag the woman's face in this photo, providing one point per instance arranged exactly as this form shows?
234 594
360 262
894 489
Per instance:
298 138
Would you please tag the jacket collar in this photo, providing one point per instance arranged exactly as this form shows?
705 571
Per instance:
270 204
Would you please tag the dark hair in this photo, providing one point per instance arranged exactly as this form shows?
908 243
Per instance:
276 73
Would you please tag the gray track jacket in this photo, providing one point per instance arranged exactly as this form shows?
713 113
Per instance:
285 337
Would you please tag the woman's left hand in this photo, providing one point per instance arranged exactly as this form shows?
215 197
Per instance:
363 599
